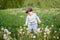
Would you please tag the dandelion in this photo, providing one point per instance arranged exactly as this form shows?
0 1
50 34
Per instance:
55 31
2 28
20 32
52 25
5 30
23 32
57 37
21 29
39 30
54 37
47 30
9 32
34 36
45 35
24 27
5 37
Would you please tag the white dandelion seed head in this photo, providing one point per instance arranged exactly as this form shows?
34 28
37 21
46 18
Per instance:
20 32
23 32
54 37
2 28
34 36
5 36
39 30
57 37
6 30
21 29
52 25
46 30
9 32
55 31
45 35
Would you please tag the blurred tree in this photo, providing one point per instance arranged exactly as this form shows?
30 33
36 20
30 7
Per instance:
34 3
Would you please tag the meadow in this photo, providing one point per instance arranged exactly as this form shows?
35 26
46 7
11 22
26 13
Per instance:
12 24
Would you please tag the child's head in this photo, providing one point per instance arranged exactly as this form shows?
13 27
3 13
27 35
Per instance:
28 10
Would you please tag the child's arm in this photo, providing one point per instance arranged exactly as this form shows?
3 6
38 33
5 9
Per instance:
38 19
26 23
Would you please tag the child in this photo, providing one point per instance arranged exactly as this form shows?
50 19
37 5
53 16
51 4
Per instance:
31 20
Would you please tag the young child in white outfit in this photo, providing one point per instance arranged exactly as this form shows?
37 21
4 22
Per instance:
31 20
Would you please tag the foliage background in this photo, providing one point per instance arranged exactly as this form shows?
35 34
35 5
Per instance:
12 15
34 3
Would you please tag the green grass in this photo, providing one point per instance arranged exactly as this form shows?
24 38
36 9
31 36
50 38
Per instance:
14 19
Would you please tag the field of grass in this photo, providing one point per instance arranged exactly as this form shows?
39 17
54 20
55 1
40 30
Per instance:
13 20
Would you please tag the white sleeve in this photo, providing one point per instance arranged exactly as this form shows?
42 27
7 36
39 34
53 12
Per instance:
38 19
26 20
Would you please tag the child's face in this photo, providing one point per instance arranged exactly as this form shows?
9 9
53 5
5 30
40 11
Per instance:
29 13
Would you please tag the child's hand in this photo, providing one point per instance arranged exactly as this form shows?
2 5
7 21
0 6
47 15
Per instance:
25 24
39 22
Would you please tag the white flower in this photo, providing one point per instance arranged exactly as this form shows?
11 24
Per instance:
9 32
21 29
2 28
39 30
55 31
54 37
45 35
57 37
52 25
48 32
46 29
20 32
23 32
5 36
5 30
34 36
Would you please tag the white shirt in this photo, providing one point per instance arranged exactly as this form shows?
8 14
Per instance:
32 19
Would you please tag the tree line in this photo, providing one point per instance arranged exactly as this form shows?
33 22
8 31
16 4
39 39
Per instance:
34 3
